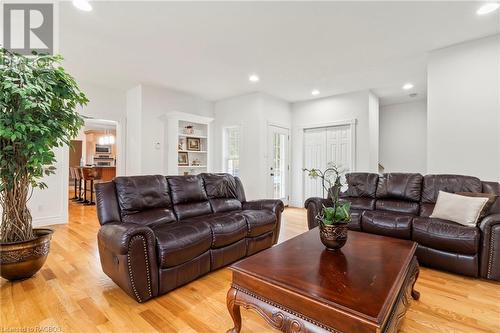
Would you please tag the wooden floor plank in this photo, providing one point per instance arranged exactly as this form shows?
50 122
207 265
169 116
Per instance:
73 294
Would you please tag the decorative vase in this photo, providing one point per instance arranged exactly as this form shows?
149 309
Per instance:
333 236
21 260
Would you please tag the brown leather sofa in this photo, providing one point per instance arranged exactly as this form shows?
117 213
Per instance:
158 233
399 205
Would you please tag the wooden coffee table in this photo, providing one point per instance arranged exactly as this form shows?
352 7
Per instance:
299 286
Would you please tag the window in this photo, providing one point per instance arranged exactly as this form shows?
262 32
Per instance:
231 148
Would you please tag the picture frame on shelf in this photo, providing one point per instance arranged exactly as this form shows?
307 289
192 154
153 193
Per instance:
194 144
183 159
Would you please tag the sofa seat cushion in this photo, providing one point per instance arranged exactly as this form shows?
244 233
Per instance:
387 224
180 242
227 228
151 217
446 235
220 205
259 221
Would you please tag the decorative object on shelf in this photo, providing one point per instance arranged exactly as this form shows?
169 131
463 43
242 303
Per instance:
193 144
332 220
183 159
39 113
182 144
189 129
186 173
196 162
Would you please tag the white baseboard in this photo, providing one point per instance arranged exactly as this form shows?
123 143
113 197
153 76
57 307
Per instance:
296 204
49 220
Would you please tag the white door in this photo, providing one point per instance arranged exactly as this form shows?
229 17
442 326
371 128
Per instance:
338 146
321 147
314 158
278 163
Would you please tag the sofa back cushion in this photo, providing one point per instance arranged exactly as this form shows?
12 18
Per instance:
400 186
144 199
222 192
108 210
426 209
188 196
361 184
361 203
448 183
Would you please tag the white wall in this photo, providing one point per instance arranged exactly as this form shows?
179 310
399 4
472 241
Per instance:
332 109
146 124
403 137
133 132
50 206
252 113
464 109
373 125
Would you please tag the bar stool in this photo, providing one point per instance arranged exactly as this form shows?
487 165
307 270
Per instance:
75 182
89 174
78 177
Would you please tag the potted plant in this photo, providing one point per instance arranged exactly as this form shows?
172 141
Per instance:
38 102
332 220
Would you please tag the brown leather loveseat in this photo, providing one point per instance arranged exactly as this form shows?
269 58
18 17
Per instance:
399 205
158 233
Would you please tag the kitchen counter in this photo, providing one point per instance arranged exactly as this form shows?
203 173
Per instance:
107 172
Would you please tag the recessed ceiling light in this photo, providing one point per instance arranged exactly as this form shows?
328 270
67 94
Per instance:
82 5
253 78
488 8
315 92
408 86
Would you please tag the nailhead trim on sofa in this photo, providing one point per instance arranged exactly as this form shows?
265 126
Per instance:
148 275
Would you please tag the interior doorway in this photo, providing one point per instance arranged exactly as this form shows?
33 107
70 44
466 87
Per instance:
278 163
92 159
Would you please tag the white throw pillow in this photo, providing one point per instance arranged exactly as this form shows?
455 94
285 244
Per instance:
458 208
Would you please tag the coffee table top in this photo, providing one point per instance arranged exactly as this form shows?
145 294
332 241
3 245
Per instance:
363 277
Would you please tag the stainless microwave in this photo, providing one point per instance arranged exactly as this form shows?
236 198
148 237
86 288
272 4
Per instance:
103 149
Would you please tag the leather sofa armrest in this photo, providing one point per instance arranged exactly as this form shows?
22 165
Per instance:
490 249
314 206
128 256
275 206
116 236
489 221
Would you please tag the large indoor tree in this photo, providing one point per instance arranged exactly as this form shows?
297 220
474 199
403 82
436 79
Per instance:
38 103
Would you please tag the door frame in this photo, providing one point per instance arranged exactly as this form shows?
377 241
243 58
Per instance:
287 162
349 122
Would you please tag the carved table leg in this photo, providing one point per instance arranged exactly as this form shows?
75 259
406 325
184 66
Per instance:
234 310
415 294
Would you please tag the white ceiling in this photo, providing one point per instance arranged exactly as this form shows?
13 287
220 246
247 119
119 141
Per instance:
209 49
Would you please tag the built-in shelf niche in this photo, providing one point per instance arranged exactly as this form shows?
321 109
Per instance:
188 143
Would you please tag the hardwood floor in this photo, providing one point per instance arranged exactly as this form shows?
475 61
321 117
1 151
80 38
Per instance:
72 294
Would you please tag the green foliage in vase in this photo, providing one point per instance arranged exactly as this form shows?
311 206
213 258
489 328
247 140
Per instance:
340 211
38 112
336 215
